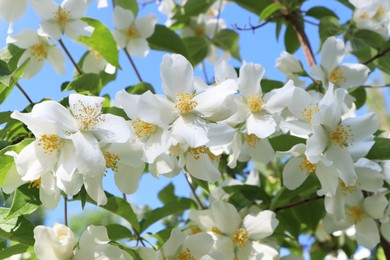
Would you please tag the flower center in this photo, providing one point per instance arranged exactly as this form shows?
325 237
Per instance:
198 151
111 160
307 113
379 13
255 103
62 16
35 184
132 32
38 51
142 129
346 188
252 140
196 230
341 135
185 103
355 214
363 15
185 255
50 143
215 230
88 116
307 166
336 76
199 31
240 237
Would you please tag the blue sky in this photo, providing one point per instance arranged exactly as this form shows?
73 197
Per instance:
258 47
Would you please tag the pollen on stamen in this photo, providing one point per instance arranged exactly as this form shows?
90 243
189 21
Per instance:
38 51
88 116
185 103
62 16
336 76
252 140
185 255
240 237
307 166
255 103
341 136
198 151
379 13
50 143
215 230
200 31
142 128
132 32
355 214
35 184
346 188
111 160
307 113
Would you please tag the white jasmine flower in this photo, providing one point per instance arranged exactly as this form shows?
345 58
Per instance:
11 11
290 66
38 49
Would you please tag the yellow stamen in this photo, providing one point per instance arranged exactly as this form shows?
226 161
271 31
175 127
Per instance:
132 32
379 13
252 140
88 116
38 51
240 237
307 166
355 214
185 255
346 188
62 16
50 143
111 161
195 230
307 113
199 31
35 184
255 103
198 151
341 135
185 103
143 129
336 76
215 230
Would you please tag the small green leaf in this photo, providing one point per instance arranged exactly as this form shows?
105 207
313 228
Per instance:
11 55
192 8
117 232
329 26
370 38
155 215
319 12
13 250
269 10
285 142
6 225
198 48
23 232
164 39
254 6
291 41
131 5
101 41
228 40
267 85
86 82
250 192
26 201
140 88
380 150
360 95
167 194
4 92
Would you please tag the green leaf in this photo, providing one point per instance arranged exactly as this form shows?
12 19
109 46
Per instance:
269 10
291 41
6 225
383 63
86 82
117 232
250 192
360 95
228 40
13 250
267 85
370 38
167 194
155 215
4 92
254 6
329 26
101 41
192 8
26 201
380 150
285 142
23 232
131 5
140 88
319 12
198 48
11 55
164 39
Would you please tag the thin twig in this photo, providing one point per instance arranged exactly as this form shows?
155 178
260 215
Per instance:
70 57
378 55
312 23
133 64
139 238
218 17
206 78
297 203
65 210
193 192
23 92
255 27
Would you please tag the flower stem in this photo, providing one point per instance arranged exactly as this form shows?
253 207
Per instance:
139 238
70 57
65 210
378 55
133 64
206 78
24 92
297 203
193 192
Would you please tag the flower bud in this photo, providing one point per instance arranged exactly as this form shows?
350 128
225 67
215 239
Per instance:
288 64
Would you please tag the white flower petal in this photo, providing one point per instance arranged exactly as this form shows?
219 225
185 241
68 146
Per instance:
293 175
123 18
201 167
49 194
260 124
94 187
268 222
190 129
332 53
367 233
145 25
139 47
355 75
375 205
250 77
226 217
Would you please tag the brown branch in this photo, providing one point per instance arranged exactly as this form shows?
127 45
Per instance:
255 27
297 203
70 57
377 56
